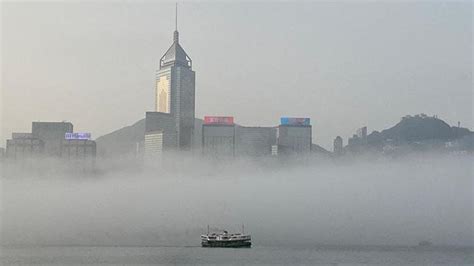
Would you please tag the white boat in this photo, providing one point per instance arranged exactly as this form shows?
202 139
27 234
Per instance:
225 239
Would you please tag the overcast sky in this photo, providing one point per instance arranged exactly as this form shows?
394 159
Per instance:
343 64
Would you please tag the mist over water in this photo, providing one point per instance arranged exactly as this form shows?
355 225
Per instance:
364 202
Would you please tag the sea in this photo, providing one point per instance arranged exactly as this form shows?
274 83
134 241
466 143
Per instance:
257 255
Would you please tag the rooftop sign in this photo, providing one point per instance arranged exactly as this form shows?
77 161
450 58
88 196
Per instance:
218 120
78 136
295 121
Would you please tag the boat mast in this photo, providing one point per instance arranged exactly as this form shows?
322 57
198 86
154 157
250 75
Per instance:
208 229
243 229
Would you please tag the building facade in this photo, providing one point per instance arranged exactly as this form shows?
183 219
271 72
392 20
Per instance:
52 134
160 134
80 153
23 146
254 141
175 91
338 146
358 142
362 135
53 140
218 137
153 144
294 136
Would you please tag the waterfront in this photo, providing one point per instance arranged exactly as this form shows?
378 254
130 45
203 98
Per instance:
259 255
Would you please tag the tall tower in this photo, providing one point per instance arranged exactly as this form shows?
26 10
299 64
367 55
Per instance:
175 89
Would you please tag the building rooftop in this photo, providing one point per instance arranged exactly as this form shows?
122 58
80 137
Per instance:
175 55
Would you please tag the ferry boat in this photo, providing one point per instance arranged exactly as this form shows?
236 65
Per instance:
225 240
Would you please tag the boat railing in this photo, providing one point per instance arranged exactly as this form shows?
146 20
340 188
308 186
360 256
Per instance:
225 237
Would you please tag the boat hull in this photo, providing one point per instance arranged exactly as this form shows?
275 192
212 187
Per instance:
226 244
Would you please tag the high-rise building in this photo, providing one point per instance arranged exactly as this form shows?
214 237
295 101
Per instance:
218 136
358 142
338 145
294 136
254 141
175 90
53 140
23 146
160 134
52 134
362 134
153 144
80 153
354 140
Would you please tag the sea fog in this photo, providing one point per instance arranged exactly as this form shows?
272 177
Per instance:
395 202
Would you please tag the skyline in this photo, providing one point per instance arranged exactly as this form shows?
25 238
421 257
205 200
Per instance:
342 71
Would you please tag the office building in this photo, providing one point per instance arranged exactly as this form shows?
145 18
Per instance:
338 146
218 136
51 134
153 144
354 140
175 91
362 132
358 142
53 140
160 134
23 146
79 152
294 136
254 141
197 142
362 135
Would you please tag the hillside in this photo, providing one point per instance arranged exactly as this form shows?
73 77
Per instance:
122 141
422 127
419 128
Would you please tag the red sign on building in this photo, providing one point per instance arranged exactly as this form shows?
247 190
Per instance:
219 120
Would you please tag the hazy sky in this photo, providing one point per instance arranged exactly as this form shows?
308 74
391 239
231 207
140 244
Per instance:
342 64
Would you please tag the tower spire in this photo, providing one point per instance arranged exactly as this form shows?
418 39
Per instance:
176 34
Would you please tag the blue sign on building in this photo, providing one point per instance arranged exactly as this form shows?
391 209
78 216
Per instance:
295 121
79 135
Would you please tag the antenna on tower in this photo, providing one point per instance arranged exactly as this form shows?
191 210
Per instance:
176 18
176 34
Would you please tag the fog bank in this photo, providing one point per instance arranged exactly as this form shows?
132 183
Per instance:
383 202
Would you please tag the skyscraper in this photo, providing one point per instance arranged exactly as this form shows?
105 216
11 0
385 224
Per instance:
175 90
338 146
294 136
52 134
218 137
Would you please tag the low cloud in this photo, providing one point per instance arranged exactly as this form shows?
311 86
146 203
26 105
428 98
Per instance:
379 202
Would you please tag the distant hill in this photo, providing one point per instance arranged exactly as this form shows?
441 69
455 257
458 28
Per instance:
419 128
422 127
121 142
320 150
